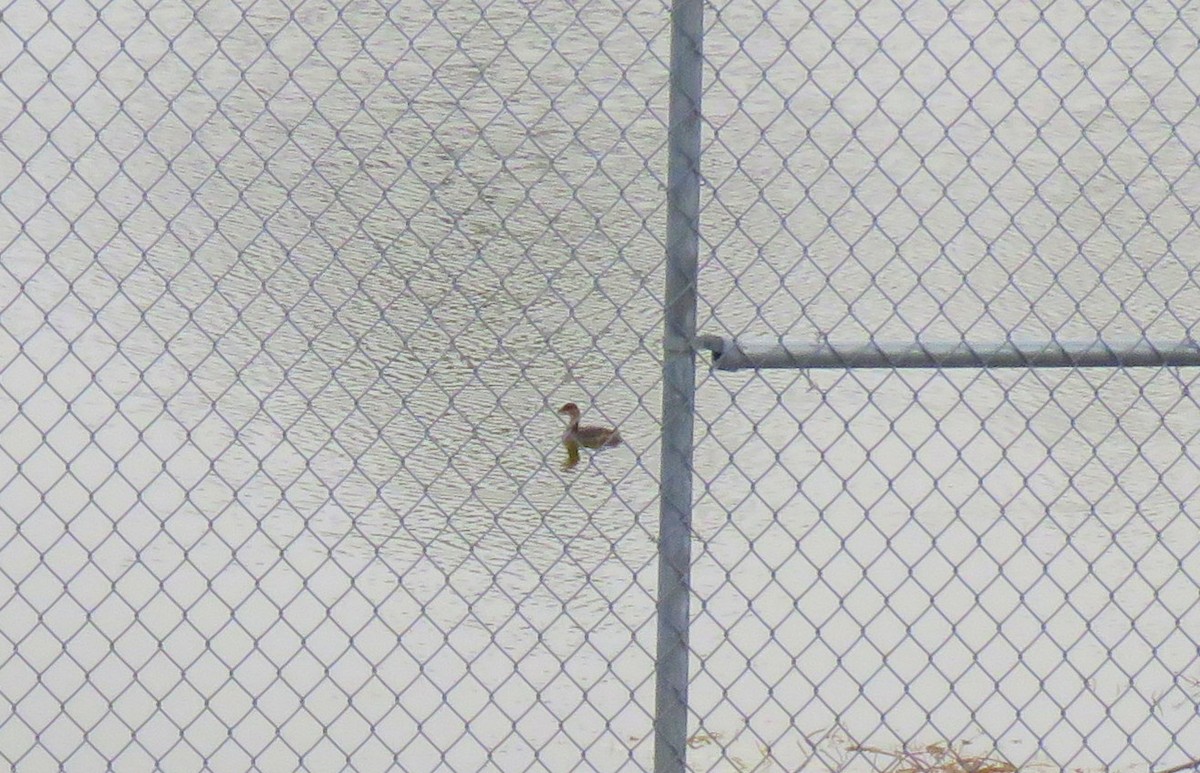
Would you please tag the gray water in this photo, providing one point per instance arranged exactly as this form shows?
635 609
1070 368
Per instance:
291 294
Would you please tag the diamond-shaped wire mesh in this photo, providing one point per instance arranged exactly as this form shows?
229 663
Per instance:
889 562
289 293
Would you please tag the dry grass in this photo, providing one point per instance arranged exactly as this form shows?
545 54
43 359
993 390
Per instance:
842 754
935 758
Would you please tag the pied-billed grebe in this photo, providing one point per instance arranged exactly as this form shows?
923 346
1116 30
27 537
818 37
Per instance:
588 437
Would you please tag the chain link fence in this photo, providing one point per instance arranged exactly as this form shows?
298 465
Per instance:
290 293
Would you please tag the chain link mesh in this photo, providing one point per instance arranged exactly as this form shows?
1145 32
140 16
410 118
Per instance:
899 561
290 293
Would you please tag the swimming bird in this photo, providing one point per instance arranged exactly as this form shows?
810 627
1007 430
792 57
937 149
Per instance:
588 437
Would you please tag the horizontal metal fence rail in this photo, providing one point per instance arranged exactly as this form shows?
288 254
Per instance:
766 353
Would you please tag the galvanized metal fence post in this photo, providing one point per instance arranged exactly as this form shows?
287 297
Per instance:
679 384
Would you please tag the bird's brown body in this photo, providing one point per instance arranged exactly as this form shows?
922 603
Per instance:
588 437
